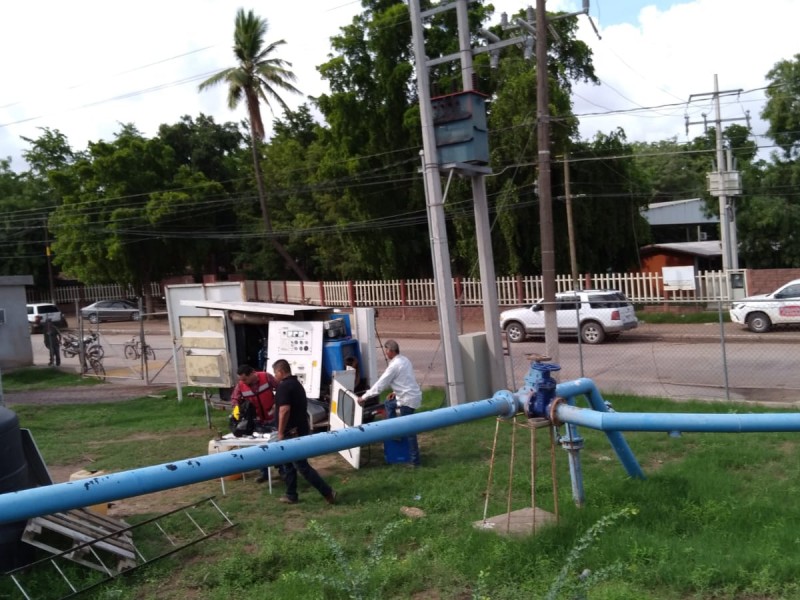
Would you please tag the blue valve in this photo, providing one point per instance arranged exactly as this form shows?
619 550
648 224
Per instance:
545 391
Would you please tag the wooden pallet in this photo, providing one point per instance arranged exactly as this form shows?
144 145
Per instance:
97 541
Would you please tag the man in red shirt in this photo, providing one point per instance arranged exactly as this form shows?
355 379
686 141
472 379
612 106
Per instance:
258 387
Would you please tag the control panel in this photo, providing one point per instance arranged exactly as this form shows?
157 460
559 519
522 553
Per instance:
300 343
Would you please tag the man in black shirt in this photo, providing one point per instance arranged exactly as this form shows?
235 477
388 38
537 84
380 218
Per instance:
292 403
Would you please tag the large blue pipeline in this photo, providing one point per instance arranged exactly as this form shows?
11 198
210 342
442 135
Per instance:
24 504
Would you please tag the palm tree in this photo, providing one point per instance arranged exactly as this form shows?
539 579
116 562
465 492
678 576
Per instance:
257 77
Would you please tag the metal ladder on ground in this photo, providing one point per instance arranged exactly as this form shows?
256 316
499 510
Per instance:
99 548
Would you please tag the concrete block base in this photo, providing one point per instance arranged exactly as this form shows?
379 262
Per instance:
525 521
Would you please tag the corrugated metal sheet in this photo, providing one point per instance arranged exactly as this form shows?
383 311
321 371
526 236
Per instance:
679 212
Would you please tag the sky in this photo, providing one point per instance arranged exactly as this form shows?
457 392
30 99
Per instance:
85 67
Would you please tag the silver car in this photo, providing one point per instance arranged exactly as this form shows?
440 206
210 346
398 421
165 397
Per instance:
594 314
111 310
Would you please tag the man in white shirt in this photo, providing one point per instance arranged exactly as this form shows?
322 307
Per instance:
405 396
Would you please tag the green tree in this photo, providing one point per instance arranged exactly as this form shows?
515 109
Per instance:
204 152
371 145
514 144
22 228
607 203
369 152
27 200
782 109
258 76
131 215
769 213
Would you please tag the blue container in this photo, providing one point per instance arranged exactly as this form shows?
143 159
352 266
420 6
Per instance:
334 352
397 450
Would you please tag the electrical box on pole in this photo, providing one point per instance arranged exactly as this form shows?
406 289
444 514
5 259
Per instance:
459 124
724 183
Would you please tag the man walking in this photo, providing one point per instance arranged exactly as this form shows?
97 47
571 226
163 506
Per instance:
292 403
406 395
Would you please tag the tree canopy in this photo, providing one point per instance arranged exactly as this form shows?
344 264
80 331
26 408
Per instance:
336 192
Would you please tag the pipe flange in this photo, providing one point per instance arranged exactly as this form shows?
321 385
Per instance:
508 398
553 409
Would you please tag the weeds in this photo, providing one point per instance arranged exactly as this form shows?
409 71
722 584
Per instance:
578 585
358 579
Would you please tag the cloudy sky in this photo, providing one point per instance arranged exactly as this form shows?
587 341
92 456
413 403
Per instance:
85 67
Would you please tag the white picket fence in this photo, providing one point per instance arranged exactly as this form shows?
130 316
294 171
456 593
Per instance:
641 288
711 287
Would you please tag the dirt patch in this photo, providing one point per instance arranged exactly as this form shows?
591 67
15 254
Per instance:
84 394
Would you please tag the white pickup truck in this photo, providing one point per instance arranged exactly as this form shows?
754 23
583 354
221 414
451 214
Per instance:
759 313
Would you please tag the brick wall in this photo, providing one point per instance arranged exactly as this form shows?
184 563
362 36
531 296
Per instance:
763 281
428 313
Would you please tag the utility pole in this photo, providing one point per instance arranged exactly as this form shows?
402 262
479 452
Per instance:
443 278
49 262
573 261
723 182
545 187
483 230
468 160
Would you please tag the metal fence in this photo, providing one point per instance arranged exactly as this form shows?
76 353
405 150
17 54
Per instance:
641 288
86 294
711 361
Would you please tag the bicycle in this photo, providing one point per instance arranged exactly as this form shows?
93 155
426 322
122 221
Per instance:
133 349
71 345
94 363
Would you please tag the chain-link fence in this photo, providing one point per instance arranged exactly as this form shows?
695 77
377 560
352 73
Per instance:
695 355
675 352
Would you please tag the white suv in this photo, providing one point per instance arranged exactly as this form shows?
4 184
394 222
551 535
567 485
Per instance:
760 313
39 313
594 314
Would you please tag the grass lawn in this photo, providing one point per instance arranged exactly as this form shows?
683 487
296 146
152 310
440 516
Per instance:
40 378
715 518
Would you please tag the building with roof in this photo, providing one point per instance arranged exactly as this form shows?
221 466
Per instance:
681 221
703 256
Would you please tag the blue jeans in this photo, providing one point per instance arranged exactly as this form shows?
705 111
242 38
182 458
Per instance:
413 444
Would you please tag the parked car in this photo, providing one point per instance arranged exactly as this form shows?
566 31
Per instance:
595 314
111 310
39 313
761 312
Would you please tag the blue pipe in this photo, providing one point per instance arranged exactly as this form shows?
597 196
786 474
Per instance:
723 423
45 500
586 387
572 442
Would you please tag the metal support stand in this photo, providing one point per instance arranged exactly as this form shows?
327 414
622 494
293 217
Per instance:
526 520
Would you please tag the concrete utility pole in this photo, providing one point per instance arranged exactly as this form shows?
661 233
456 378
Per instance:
483 230
573 260
724 182
443 278
545 187
49 256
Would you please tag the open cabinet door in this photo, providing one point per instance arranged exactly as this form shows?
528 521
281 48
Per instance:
207 356
346 412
